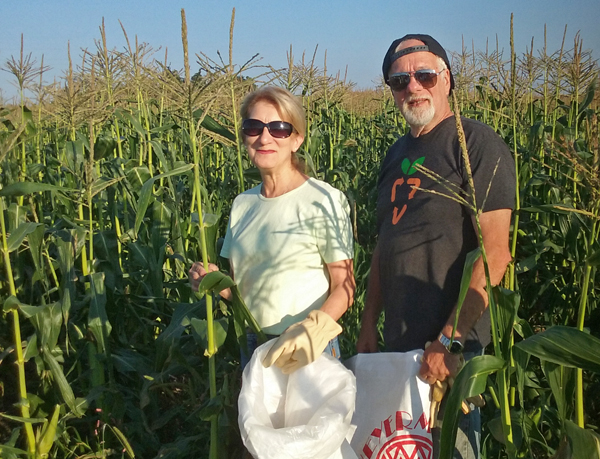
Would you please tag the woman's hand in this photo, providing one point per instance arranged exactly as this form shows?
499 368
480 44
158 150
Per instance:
302 342
197 273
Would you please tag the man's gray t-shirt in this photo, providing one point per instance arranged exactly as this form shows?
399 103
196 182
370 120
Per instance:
424 237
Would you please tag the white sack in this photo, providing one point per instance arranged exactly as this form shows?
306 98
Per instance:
392 407
305 415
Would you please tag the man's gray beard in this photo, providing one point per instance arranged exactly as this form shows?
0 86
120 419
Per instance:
417 117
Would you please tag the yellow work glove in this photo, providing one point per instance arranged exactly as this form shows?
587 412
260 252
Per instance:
438 390
303 342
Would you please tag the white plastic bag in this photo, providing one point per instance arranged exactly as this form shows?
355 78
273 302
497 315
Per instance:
305 415
392 407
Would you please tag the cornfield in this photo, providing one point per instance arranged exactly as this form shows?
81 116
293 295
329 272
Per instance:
116 178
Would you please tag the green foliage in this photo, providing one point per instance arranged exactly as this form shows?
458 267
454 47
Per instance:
101 227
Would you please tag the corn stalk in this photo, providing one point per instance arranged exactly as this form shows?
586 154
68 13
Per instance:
18 341
198 196
502 377
236 123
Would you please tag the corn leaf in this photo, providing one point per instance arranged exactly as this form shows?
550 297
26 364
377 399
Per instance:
211 408
521 360
23 420
524 429
103 183
217 281
470 381
584 443
47 320
594 259
137 176
169 338
164 128
103 146
200 326
127 117
589 97
11 450
146 194
16 238
48 433
123 440
17 215
61 381
562 383
210 124
97 317
465 282
565 346
158 151
36 242
561 209
11 303
74 156
507 302
161 218
25 188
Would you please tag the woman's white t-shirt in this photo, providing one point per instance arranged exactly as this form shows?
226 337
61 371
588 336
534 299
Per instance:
279 248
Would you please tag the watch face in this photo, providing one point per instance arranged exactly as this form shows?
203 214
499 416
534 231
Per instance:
456 347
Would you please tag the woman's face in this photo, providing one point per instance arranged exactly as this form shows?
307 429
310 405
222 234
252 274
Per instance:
268 153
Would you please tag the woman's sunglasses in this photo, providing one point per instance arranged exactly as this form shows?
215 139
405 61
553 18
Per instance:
277 129
426 78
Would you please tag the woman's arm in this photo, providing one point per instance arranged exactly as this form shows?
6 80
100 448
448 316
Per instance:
341 288
304 341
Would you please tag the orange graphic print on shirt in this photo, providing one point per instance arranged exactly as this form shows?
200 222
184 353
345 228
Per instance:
413 183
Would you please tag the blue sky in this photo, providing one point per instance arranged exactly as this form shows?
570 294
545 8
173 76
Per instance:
355 33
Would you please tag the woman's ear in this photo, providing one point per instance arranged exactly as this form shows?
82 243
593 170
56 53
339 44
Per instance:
298 139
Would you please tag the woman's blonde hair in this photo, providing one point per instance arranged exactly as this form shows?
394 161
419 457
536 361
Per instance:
288 105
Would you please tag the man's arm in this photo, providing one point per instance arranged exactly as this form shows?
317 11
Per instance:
438 363
368 337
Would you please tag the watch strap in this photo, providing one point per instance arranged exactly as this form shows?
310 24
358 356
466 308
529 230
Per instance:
453 346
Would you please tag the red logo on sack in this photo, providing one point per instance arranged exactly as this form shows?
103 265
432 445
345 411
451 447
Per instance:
400 437
407 447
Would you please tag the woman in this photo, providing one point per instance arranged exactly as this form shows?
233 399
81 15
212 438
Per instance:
289 240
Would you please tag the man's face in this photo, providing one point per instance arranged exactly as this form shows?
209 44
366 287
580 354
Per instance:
422 108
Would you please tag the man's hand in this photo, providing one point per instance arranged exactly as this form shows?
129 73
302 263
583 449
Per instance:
367 340
197 273
438 364
438 368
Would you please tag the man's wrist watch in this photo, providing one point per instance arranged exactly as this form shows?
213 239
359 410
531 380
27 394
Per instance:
454 347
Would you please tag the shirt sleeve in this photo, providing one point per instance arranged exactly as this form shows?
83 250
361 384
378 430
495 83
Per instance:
226 247
493 170
334 230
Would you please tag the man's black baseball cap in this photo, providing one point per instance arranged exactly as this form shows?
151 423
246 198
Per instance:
430 44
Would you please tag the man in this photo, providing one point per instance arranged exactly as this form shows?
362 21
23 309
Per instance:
423 237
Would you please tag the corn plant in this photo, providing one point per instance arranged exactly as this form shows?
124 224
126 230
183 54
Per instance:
120 175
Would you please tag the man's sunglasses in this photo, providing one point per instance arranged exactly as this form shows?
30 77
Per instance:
426 78
277 129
